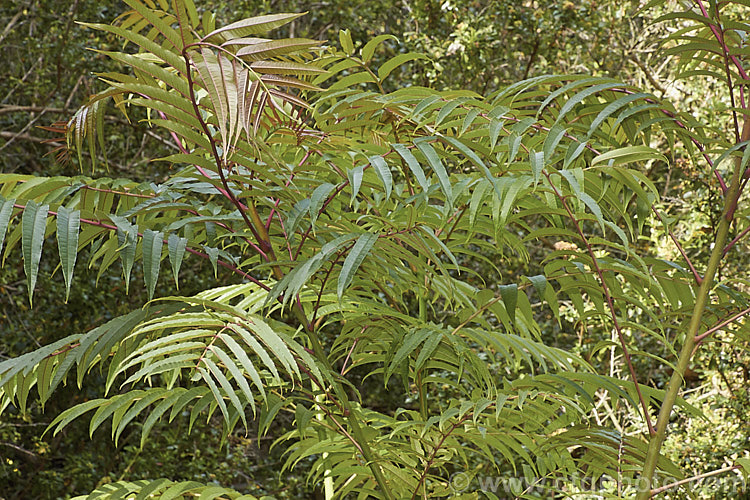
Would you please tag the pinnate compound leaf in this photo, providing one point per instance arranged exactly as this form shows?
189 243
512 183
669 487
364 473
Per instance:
68 226
162 489
33 223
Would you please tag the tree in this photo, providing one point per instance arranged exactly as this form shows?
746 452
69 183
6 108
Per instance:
357 227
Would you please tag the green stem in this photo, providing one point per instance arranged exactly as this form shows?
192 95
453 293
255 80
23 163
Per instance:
353 418
422 396
701 301
328 479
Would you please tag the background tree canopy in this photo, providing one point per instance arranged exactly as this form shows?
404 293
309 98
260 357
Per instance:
458 249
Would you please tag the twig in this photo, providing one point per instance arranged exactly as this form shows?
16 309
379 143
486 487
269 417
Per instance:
699 338
12 23
735 240
716 472
14 136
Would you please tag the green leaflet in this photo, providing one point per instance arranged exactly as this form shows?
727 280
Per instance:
411 341
369 49
413 164
152 243
509 294
536 158
345 39
437 166
353 260
169 401
554 137
581 96
387 67
384 174
176 246
68 225
583 196
34 224
317 199
250 26
6 209
127 240
63 419
540 284
153 17
227 388
275 48
472 156
355 180
213 257
428 348
628 154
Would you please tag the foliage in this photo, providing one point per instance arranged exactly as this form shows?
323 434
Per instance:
359 220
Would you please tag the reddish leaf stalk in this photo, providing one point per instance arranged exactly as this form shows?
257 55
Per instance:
701 337
198 253
265 246
610 303
698 278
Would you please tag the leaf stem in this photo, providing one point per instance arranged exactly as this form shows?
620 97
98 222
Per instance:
687 480
702 336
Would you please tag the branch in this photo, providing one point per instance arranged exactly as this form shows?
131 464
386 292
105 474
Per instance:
715 30
14 136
